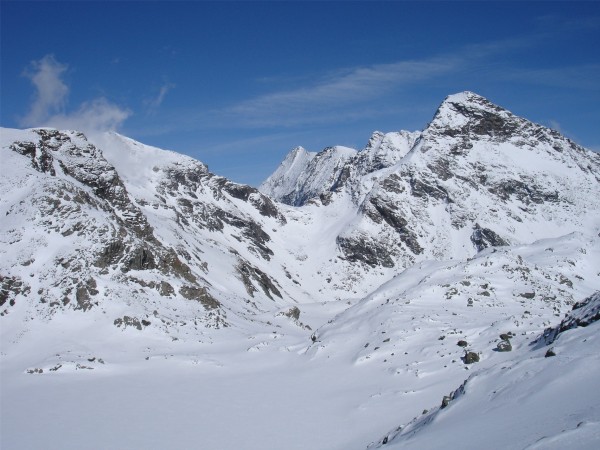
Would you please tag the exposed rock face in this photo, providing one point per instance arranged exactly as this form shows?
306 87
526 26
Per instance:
365 250
10 288
250 275
388 211
583 314
484 237
200 295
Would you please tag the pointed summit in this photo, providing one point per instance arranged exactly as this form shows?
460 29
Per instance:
465 97
285 177
303 175
469 113
470 101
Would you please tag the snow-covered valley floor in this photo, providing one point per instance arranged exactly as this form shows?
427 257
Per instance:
271 387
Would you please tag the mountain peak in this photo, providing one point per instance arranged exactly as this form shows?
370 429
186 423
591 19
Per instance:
303 175
465 97
467 113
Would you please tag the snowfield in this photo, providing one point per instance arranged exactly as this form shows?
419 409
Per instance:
423 292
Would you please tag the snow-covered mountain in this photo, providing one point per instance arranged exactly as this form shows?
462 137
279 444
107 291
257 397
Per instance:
343 285
79 233
476 176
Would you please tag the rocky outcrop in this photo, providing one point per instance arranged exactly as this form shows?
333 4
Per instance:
484 237
250 275
584 313
365 250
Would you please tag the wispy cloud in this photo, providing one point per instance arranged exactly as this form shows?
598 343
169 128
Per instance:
50 98
328 95
573 77
154 103
559 24
50 90
348 93
555 126
352 93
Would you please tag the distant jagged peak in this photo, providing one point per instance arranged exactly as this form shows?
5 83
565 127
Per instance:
299 152
374 140
286 175
303 175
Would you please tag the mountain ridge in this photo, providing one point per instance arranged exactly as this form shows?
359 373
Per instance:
448 166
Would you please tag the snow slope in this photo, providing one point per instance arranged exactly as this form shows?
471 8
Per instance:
557 401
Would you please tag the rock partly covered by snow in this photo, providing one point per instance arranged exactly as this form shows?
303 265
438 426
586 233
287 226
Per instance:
584 313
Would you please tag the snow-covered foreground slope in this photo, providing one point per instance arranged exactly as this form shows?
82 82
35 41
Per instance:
548 400
147 303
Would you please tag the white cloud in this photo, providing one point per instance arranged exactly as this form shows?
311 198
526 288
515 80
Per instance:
51 92
356 92
48 106
155 102
96 115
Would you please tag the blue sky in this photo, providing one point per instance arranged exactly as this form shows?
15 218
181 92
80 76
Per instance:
239 84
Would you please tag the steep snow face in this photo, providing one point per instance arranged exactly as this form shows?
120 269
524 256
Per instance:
286 179
303 176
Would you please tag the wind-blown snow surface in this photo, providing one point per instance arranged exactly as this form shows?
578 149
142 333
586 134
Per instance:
147 303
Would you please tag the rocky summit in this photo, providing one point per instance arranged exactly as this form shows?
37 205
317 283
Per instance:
428 270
